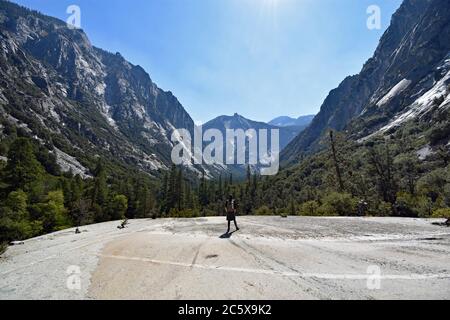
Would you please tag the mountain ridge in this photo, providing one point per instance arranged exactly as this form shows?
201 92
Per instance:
285 121
239 122
82 100
413 48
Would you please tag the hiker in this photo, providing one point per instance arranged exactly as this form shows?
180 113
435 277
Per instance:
230 209
123 225
362 208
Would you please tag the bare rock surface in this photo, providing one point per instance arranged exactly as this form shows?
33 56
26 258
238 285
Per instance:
269 258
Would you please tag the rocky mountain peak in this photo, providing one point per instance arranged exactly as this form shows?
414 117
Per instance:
407 65
93 101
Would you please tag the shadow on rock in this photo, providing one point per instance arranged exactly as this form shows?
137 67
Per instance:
227 235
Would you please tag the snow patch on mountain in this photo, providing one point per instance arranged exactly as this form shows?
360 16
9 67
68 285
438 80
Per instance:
397 89
440 90
423 104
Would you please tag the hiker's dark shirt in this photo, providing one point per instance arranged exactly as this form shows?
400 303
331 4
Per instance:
231 210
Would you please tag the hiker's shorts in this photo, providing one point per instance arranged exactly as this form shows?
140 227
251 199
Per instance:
231 216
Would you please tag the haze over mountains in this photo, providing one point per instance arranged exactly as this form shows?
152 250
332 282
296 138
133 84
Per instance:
284 121
222 123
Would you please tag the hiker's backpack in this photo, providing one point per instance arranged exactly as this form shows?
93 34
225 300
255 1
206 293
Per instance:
230 206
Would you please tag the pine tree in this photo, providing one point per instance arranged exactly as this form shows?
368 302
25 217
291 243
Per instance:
119 206
226 188
254 186
146 202
131 187
220 195
99 194
292 209
164 194
172 189
203 193
180 190
188 197
80 212
100 190
22 168
382 169
336 162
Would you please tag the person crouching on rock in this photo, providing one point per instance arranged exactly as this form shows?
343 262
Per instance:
230 209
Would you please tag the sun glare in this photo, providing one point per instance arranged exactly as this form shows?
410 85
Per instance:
269 11
271 3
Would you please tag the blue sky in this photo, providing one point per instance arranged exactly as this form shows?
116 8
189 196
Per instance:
260 58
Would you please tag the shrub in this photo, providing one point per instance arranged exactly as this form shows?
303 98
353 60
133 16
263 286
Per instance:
310 208
408 205
17 204
52 213
326 210
439 133
433 183
447 193
338 204
3 247
55 206
185 213
11 230
119 206
384 209
204 213
263 211
14 219
442 213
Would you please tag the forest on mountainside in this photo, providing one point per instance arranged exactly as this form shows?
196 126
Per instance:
383 176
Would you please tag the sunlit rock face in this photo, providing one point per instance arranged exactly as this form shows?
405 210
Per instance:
81 99
406 78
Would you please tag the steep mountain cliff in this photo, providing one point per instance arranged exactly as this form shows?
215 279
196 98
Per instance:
407 78
81 101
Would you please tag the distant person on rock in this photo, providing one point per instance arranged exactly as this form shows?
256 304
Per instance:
123 225
230 209
362 208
